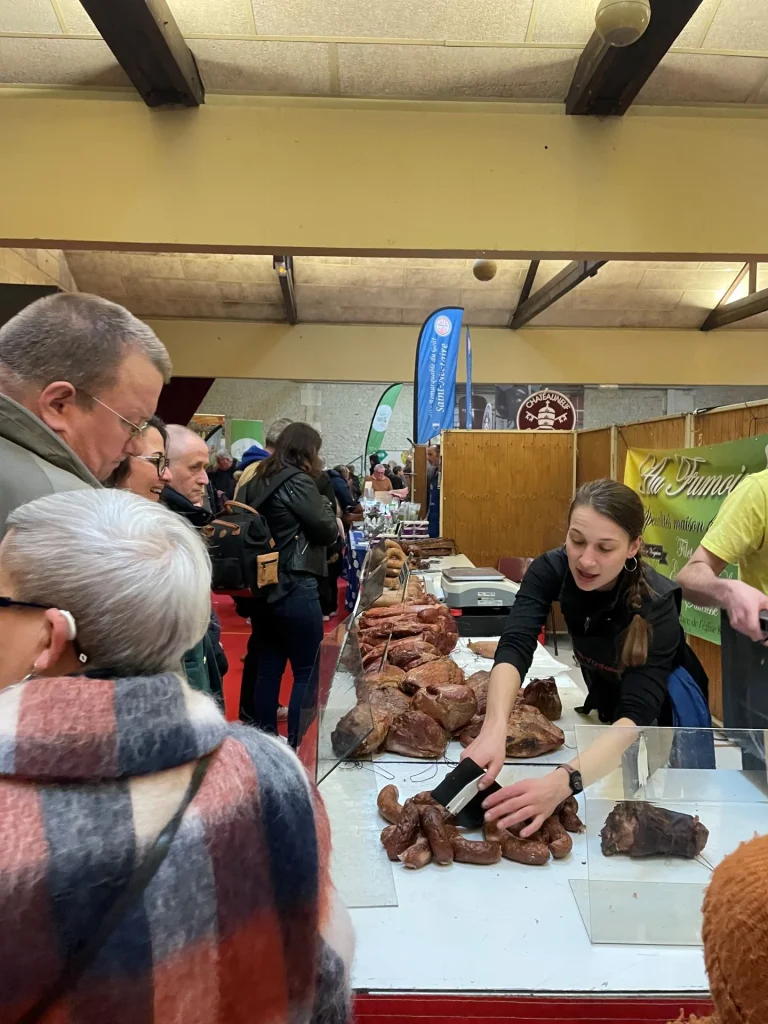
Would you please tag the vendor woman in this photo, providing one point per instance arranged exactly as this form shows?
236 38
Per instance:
624 621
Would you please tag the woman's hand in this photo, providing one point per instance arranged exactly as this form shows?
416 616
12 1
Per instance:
488 752
531 798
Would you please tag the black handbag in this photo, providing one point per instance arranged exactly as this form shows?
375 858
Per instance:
83 955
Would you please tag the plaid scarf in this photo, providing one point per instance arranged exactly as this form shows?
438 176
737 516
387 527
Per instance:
228 930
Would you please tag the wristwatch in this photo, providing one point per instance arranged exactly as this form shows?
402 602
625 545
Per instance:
574 777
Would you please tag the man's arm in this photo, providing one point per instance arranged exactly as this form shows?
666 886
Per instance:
701 583
700 579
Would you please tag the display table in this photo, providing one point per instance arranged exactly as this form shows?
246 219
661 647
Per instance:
443 944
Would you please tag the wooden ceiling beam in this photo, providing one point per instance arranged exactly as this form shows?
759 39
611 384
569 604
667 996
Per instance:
569 278
608 78
525 291
726 312
283 267
149 46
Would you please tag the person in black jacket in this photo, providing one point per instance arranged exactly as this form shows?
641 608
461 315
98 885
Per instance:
288 623
624 620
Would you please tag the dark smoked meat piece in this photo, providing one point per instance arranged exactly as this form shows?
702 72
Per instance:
389 699
418 854
390 675
542 694
403 652
361 731
644 830
442 672
415 734
569 815
397 838
434 829
478 682
472 851
452 707
472 731
530 733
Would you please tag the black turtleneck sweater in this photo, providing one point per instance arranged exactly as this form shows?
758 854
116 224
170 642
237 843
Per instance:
596 622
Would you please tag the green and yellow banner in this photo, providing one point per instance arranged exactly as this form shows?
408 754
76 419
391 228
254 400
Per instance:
682 490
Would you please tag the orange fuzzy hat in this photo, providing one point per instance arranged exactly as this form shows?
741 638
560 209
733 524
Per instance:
735 936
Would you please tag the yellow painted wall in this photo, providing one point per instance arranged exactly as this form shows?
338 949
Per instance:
212 348
277 174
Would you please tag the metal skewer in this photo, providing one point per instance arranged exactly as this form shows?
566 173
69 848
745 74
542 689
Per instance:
386 652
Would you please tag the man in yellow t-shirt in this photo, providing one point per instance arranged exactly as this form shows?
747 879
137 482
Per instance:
738 536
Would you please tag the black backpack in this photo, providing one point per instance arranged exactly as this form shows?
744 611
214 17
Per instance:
244 557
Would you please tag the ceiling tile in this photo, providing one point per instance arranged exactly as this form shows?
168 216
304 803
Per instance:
61 61
76 19
212 17
248 269
621 298
714 280
109 285
739 25
477 300
556 316
695 31
28 16
399 261
435 72
487 317
359 275
559 22
291 69
704 78
438 278
486 20
145 264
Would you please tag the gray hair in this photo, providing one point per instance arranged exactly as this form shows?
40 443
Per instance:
135 575
78 338
275 430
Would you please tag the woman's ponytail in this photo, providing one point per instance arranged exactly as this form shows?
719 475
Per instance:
637 637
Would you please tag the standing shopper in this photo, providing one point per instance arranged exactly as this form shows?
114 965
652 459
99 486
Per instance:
234 920
287 623
624 620
79 378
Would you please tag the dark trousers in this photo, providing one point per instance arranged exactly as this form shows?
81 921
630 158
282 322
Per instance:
291 629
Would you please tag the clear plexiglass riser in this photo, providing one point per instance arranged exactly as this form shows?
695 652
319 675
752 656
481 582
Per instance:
717 776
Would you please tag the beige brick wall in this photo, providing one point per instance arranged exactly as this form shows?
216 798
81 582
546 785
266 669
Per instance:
36 266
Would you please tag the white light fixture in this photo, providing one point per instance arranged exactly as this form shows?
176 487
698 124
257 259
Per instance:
622 22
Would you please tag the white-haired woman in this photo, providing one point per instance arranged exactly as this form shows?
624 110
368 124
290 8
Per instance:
157 864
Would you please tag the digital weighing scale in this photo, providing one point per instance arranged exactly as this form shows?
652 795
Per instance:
483 596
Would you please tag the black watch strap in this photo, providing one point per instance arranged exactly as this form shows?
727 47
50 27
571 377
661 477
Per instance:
574 778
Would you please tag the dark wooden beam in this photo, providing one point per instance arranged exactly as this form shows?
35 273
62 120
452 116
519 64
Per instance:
525 291
608 78
283 266
568 279
752 280
741 309
147 42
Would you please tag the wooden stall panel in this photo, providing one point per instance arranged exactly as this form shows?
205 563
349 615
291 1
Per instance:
709 656
506 492
668 432
730 424
593 454
419 484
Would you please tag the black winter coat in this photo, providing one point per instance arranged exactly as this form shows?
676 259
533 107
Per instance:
302 523
597 621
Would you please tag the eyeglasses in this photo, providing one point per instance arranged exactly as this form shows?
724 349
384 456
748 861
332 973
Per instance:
9 602
160 462
134 429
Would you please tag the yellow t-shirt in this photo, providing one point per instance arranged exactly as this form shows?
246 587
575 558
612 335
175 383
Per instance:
738 535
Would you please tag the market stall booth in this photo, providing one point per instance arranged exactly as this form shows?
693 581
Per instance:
578 930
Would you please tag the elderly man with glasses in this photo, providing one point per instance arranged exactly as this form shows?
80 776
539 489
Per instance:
79 379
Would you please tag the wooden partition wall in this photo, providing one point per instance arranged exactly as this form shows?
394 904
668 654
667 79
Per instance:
595 454
419 485
506 492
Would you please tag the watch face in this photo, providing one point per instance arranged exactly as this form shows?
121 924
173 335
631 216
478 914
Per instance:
577 785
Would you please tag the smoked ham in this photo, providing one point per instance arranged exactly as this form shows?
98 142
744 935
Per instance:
415 734
451 706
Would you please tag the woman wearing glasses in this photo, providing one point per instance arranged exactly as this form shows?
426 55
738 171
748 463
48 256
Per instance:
146 473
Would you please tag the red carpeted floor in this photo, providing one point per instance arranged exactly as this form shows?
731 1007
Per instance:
234 637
